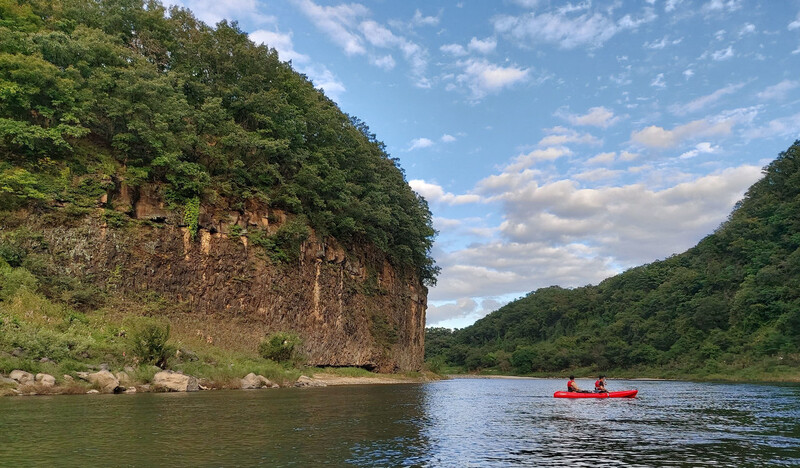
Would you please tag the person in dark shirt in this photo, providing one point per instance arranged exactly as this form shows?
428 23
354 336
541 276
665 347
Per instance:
600 385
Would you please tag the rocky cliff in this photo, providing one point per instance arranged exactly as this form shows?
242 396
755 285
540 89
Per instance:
351 308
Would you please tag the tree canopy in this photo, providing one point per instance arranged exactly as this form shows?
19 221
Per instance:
97 91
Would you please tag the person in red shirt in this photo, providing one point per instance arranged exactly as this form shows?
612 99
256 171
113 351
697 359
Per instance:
600 385
573 387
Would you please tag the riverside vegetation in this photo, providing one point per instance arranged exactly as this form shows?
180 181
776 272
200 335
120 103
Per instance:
98 97
728 308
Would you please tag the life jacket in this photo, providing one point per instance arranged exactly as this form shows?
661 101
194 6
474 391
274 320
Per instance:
570 385
597 384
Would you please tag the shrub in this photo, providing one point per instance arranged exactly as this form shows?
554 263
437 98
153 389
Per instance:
435 364
280 346
149 343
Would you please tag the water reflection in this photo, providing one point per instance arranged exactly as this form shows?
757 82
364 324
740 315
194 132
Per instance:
449 423
671 424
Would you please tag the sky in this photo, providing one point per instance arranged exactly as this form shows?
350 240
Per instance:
557 143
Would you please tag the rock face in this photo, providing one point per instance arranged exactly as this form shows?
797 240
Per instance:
175 382
350 308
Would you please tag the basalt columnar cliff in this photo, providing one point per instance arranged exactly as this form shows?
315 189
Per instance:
145 154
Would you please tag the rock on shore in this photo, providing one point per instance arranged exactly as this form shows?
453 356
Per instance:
175 382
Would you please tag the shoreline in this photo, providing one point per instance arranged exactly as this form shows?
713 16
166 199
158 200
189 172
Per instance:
43 384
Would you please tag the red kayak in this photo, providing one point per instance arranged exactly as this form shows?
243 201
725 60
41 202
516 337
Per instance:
620 394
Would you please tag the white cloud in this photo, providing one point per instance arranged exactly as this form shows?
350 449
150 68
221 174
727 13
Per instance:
596 117
558 136
658 81
671 5
461 308
454 49
560 234
499 268
794 24
337 22
419 143
527 160
434 193
348 26
644 222
483 46
700 148
716 6
482 77
380 36
657 137
688 73
214 11
447 138
595 175
748 28
324 79
722 54
602 158
320 75
778 91
280 42
386 62
567 30
421 20
781 127
703 102
662 43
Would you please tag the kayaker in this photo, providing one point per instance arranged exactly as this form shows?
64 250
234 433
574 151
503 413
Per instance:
572 387
600 385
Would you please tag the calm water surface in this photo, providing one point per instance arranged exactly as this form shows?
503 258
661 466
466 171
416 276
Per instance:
463 422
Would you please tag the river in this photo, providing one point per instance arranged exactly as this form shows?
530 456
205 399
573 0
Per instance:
461 422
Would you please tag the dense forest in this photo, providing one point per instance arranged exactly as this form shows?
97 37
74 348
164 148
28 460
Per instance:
99 93
729 306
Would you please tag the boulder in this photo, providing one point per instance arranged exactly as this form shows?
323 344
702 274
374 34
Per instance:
46 380
175 382
305 381
104 380
123 378
7 381
68 378
130 390
22 376
252 380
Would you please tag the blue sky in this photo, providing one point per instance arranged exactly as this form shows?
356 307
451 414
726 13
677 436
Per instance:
557 143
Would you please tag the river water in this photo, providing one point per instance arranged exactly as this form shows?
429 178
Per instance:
461 422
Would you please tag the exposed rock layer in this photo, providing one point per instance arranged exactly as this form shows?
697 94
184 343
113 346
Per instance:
350 308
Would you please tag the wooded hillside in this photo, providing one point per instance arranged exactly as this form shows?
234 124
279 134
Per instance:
99 93
731 304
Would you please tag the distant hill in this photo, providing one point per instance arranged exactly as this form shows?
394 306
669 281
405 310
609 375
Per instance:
728 307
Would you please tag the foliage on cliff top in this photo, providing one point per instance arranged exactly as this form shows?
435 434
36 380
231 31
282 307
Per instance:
728 306
95 92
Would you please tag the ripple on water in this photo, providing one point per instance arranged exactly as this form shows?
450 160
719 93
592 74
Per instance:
476 423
